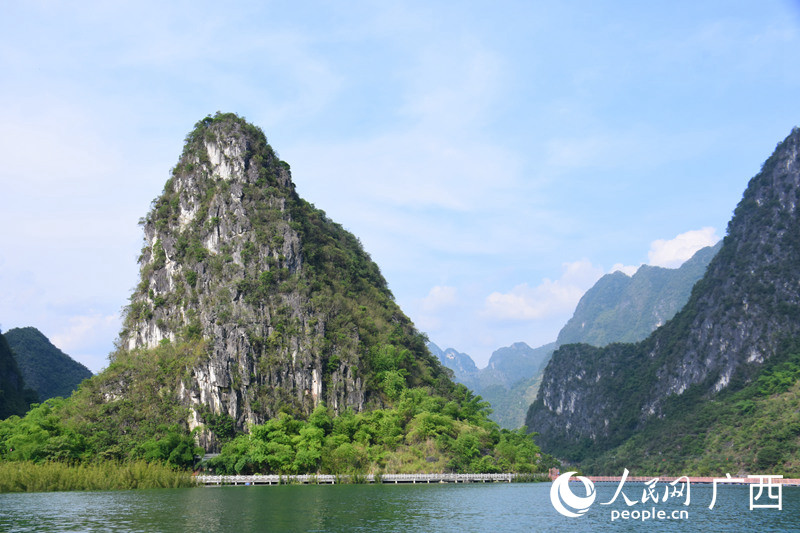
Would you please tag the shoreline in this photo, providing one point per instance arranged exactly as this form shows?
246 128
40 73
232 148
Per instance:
395 479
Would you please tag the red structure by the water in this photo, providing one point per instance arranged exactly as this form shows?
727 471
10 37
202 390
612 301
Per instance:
554 473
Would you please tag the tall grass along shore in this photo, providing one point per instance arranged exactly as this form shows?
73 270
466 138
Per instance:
19 476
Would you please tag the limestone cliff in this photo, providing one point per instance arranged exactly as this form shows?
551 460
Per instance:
743 312
291 309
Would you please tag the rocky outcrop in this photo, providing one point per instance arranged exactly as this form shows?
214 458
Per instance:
740 314
292 309
464 369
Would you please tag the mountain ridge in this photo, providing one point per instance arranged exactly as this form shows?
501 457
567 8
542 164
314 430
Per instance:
622 308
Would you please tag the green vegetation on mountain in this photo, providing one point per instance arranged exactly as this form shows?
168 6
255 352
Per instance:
753 429
420 433
46 369
15 396
263 329
510 404
127 414
703 392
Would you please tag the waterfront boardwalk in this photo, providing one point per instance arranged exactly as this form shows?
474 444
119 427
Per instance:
327 479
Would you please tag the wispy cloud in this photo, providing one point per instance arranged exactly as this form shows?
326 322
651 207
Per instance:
550 297
439 297
628 270
85 336
674 252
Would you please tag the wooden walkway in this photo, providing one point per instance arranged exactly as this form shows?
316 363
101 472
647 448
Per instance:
325 479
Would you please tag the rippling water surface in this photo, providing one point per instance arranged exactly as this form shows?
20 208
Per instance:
470 507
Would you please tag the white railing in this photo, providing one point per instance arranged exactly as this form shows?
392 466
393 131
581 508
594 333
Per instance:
323 479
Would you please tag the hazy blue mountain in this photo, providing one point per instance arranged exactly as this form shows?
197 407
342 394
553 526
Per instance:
461 364
519 361
509 382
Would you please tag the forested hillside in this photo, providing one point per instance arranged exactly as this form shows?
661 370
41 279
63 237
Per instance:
46 369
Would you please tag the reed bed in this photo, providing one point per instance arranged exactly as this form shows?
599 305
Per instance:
54 476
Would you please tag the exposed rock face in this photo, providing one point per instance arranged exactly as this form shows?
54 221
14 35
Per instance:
739 315
462 365
290 305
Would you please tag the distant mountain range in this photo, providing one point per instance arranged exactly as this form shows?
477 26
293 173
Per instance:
504 381
618 308
45 368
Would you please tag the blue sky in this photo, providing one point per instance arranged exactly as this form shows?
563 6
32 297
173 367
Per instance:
495 158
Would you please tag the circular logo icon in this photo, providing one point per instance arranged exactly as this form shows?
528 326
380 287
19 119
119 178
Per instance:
567 503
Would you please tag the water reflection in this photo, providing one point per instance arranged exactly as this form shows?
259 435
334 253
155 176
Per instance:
458 508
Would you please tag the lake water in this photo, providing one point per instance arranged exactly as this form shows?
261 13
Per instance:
496 507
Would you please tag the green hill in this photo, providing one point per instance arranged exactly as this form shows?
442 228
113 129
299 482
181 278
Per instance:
46 369
15 397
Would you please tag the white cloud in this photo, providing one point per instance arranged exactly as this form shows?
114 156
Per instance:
436 308
546 299
673 253
85 334
439 296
